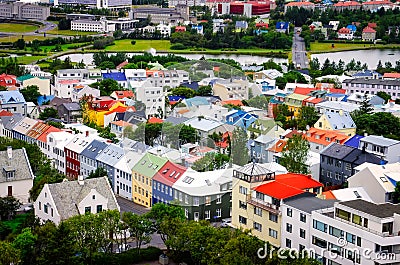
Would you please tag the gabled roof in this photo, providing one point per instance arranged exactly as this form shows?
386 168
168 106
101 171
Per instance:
68 194
337 151
94 149
391 75
149 165
11 97
338 121
169 173
278 146
5 113
73 106
111 155
19 163
368 30
43 137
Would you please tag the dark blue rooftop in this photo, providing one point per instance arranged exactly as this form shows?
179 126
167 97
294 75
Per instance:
354 141
94 149
43 99
115 76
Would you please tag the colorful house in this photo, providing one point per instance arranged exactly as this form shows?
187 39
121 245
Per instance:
341 122
368 34
274 102
240 118
94 111
142 178
7 80
295 102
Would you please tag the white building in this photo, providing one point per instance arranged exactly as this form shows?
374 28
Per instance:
60 201
64 88
152 96
83 90
165 30
336 106
108 4
385 148
56 141
92 25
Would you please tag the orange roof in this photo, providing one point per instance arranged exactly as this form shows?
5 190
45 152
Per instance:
378 3
347 3
278 190
68 81
323 134
299 181
151 73
278 146
50 129
182 111
328 195
300 4
313 100
303 90
5 113
155 120
120 109
236 102
122 123
124 94
372 25
391 75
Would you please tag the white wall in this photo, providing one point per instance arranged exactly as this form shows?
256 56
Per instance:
20 189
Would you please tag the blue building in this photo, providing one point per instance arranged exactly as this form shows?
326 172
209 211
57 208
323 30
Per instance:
240 118
282 27
163 180
352 27
108 158
88 157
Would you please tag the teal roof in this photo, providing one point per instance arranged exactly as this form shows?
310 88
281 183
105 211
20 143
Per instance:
149 165
24 77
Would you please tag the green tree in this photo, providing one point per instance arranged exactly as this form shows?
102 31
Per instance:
31 93
238 148
107 86
9 254
48 113
140 228
205 91
210 162
396 193
294 155
384 95
270 64
183 92
260 102
25 243
107 65
8 207
307 116
98 173
20 44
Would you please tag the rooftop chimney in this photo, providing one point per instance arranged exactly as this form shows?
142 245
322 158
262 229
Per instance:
87 133
9 152
81 181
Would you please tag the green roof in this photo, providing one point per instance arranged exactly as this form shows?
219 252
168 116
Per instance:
25 77
149 165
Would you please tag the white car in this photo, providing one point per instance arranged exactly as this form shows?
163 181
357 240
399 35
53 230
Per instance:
226 223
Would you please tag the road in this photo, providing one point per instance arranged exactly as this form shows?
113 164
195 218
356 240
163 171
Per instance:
129 206
299 53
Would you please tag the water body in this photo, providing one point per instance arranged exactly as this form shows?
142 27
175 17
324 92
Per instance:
370 57
87 58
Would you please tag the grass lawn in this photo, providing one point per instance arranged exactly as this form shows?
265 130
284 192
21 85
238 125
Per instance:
28 59
11 27
317 47
69 32
19 219
26 38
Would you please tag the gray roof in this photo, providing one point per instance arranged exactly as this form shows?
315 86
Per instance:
379 140
372 81
72 71
309 203
10 122
111 155
339 121
18 163
94 149
337 150
254 169
72 106
176 120
68 194
382 210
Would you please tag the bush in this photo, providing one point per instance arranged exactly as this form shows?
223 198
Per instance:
178 46
133 42
103 42
128 257
150 253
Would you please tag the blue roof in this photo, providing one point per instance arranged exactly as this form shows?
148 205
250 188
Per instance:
336 95
354 141
11 97
192 85
367 73
175 98
115 76
327 2
94 149
282 25
197 27
43 99
352 27
345 98
196 101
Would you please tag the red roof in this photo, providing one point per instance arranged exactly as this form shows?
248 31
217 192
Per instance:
278 146
303 90
122 123
68 81
313 100
383 2
180 28
121 65
155 120
5 113
328 195
300 4
124 94
347 3
344 31
43 136
169 173
391 75
278 190
262 25
372 25
299 181
368 30
236 102
120 109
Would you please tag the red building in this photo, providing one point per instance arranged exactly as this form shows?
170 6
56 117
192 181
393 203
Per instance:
72 151
7 80
243 8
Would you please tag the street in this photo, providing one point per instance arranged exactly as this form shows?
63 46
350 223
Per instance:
129 206
299 55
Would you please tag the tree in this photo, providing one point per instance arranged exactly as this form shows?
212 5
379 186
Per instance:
107 86
205 91
31 93
294 155
307 116
210 162
396 193
25 243
183 92
107 65
140 228
384 95
8 207
20 44
9 254
98 173
48 113
365 107
260 102
238 148
270 64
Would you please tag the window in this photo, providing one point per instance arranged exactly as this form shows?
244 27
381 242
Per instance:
273 217
289 212
242 190
218 212
258 211
99 208
348 166
289 228
273 233
320 226
242 220
333 231
356 219
350 238
208 200
319 242
40 205
88 209
343 214
46 208
302 233
257 226
186 213
196 201
219 199
288 243
207 215
242 205
303 217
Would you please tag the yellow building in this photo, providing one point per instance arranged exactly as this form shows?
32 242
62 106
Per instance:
295 102
96 110
142 175
341 122
43 84
257 195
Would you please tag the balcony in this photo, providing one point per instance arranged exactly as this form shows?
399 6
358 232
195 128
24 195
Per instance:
269 207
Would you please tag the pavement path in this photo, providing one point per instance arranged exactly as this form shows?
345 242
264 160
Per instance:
299 53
